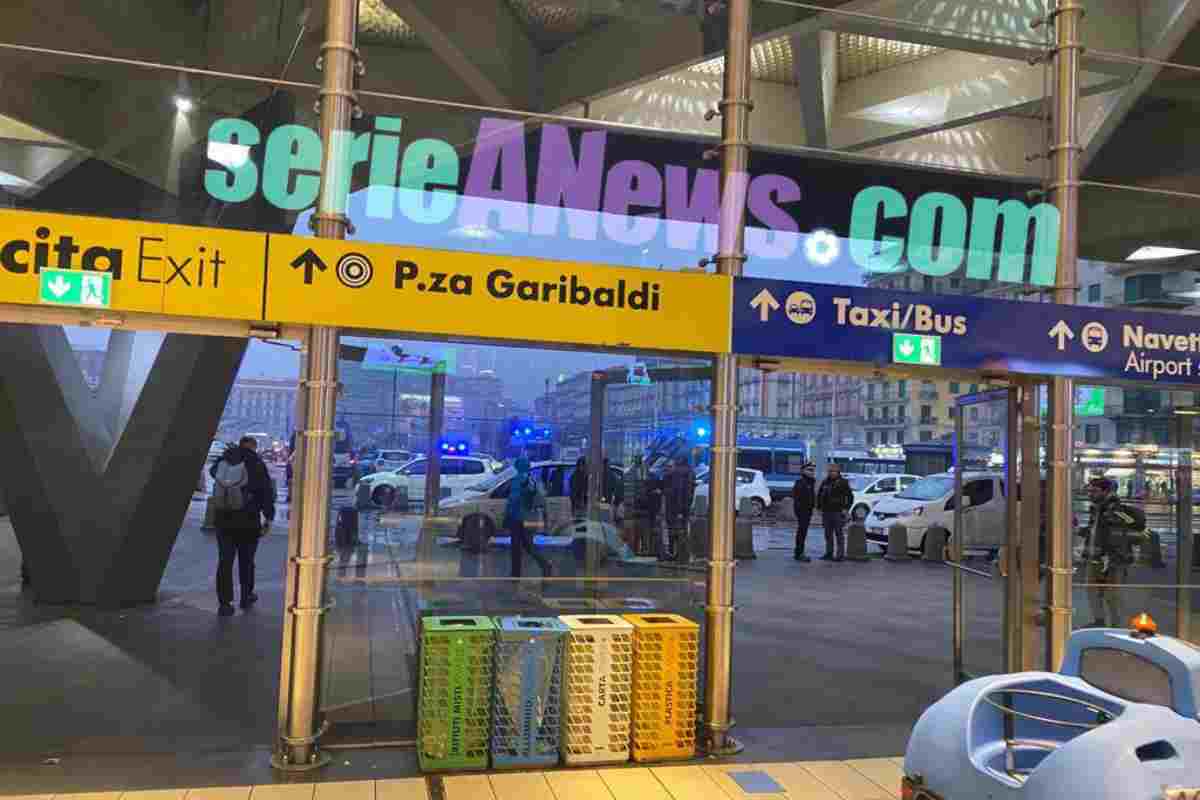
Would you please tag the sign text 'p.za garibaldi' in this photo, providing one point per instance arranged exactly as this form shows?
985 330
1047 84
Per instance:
504 284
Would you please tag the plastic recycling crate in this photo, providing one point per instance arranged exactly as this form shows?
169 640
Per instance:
597 686
454 708
527 697
666 651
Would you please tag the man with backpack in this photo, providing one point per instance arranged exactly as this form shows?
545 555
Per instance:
1113 530
243 496
522 500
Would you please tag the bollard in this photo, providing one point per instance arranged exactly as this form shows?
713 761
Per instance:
346 534
400 499
210 516
1152 551
743 532
785 509
856 542
935 544
698 548
897 546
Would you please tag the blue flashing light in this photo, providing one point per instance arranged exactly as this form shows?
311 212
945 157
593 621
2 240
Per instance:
528 431
462 448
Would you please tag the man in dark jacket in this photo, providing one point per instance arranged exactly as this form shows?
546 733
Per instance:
834 499
238 529
804 500
679 490
1110 535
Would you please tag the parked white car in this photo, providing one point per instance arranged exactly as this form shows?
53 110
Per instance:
870 489
458 473
479 509
392 460
751 484
930 501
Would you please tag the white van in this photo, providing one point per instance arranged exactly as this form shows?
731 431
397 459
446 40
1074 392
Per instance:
930 501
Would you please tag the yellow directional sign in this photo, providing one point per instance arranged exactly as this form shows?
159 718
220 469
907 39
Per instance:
155 268
223 274
385 287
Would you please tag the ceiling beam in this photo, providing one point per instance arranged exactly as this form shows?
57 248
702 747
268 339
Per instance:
482 42
814 69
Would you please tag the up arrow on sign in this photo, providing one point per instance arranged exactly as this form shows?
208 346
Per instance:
765 303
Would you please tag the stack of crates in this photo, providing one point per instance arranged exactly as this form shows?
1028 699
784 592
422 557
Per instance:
454 711
666 651
598 682
527 708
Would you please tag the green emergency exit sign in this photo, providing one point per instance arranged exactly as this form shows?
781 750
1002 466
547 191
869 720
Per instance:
65 287
912 348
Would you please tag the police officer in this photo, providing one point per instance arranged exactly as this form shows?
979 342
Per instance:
1111 532
834 499
804 500
679 486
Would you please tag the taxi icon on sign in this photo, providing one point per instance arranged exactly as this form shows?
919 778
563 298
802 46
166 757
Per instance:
801 308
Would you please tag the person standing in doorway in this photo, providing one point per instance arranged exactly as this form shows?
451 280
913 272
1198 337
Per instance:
1112 531
804 500
244 502
522 499
679 491
834 499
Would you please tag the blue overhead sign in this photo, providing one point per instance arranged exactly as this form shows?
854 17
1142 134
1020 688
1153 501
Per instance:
842 323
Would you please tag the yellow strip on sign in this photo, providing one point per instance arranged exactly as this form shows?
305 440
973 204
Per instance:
386 287
158 269
223 274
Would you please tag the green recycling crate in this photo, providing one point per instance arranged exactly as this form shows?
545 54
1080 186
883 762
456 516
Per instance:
454 708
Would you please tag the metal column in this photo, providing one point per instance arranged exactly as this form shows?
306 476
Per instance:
298 747
437 420
1183 529
1011 565
1029 559
718 611
595 456
1064 152
956 555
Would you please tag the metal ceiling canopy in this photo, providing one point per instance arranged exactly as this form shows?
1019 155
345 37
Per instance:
551 25
858 56
379 24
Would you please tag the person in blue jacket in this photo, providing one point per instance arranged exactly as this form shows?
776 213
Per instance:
522 499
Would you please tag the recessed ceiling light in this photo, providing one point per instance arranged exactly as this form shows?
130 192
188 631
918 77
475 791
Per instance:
1155 253
183 104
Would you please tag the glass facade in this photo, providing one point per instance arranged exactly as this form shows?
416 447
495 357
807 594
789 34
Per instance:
906 152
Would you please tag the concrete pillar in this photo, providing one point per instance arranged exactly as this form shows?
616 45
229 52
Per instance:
94 534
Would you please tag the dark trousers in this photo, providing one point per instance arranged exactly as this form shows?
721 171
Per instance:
522 542
835 533
241 545
803 520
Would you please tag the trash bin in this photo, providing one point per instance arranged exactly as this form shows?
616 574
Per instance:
596 690
454 705
527 695
666 651
743 532
346 533
934 550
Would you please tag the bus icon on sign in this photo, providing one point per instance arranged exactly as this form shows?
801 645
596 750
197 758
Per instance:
801 308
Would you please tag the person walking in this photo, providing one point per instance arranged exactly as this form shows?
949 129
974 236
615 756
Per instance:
1112 530
804 500
522 499
579 488
834 499
244 505
679 490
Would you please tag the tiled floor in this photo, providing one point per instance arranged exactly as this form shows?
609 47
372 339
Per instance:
860 779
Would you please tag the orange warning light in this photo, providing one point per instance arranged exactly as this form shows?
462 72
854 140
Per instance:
1144 624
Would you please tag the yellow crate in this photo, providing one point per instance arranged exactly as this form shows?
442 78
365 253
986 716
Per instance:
666 651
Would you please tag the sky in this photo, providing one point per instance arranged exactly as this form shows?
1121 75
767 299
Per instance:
523 371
